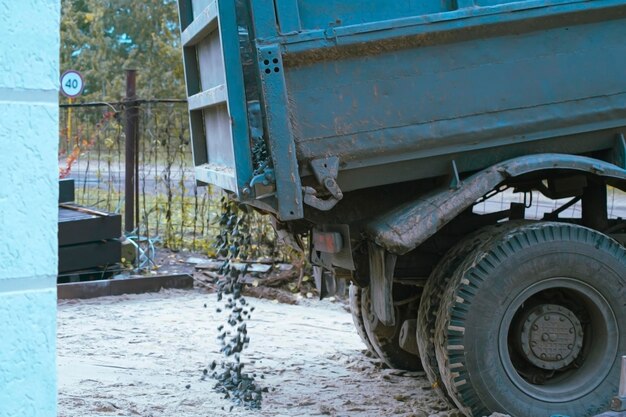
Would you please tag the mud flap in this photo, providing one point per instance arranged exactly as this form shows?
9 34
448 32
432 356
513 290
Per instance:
328 284
382 266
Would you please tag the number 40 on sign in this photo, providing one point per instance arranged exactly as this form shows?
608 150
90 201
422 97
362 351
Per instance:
72 84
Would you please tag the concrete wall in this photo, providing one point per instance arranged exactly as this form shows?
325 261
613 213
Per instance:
29 72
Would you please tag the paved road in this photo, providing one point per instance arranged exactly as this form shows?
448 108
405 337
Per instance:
152 179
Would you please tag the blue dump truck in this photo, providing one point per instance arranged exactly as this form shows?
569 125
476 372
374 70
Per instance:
375 128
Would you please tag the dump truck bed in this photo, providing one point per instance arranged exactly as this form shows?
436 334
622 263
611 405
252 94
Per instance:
394 91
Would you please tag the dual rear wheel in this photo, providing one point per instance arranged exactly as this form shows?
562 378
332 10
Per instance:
382 341
527 319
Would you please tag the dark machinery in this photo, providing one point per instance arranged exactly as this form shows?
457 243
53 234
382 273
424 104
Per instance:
89 240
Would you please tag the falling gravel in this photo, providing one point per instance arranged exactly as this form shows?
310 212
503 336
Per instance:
233 338
233 243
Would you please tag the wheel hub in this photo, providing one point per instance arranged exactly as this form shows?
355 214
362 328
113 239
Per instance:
552 337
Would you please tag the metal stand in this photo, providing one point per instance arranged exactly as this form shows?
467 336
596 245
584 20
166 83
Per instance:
131 132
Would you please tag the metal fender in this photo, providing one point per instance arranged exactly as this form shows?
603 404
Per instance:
404 228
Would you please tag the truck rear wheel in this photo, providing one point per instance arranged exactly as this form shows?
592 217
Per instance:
431 302
532 323
386 339
357 317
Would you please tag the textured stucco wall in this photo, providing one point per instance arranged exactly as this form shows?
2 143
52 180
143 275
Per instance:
29 72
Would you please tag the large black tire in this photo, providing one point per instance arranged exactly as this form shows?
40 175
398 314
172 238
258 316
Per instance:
357 317
386 339
533 322
431 302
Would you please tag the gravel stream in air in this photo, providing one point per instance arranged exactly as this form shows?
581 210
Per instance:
233 337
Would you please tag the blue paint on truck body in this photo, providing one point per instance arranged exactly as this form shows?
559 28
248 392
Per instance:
398 91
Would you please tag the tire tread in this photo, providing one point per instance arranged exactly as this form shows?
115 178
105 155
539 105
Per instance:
468 279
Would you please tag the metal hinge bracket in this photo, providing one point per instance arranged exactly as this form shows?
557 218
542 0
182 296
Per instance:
326 171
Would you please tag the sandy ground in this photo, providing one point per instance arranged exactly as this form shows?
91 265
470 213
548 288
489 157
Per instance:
136 355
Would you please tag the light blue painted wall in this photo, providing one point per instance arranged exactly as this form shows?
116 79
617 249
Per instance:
29 72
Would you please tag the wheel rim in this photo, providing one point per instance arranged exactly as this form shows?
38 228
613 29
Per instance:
555 338
551 337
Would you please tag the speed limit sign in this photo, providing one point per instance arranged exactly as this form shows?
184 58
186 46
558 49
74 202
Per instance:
72 83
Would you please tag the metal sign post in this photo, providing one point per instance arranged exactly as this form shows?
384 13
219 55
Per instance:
131 116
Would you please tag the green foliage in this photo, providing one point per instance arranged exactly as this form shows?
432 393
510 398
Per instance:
102 38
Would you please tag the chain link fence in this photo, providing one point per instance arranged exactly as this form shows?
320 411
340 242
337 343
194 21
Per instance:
173 211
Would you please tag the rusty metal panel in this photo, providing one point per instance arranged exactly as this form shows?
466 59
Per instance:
111 287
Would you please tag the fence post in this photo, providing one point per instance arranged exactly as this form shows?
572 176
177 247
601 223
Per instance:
131 115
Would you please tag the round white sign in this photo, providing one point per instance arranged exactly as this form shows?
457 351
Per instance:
72 83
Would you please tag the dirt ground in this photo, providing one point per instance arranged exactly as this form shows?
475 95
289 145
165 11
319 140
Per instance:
143 355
